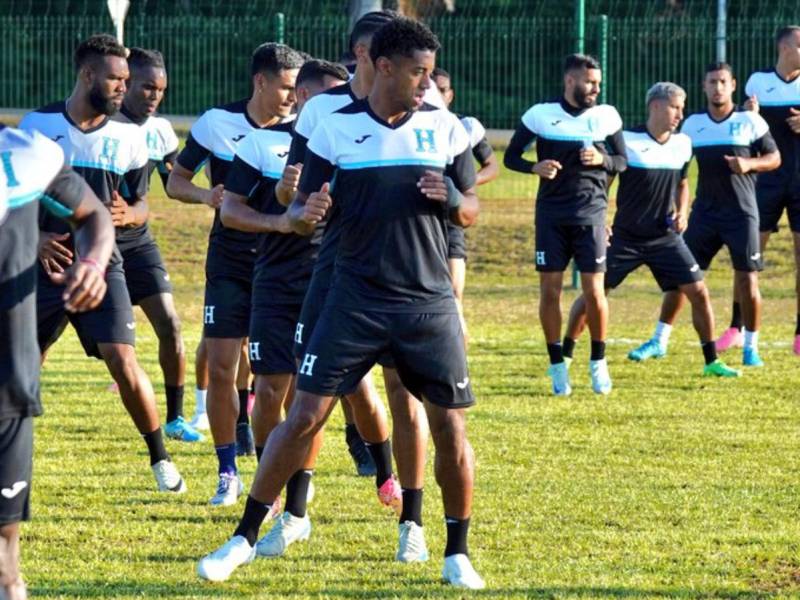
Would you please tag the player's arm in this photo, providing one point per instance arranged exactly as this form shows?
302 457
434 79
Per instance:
287 186
615 159
165 166
490 166
243 182
313 198
455 187
134 211
519 144
179 182
768 159
681 217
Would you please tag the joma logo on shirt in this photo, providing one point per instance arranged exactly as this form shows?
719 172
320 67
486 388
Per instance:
426 141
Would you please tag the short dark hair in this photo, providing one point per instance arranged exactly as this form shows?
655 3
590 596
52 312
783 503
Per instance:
141 58
316 69
785 32
369 24
97 46
402 37
580 61
719 66
440 72
273 57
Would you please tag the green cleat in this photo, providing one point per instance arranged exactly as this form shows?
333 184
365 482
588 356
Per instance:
720 369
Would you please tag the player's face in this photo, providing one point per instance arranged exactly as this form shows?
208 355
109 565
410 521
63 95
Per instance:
411 77
145 91
790 50
719 87
445 89
106 78
310 88
667 114
276 92
585 86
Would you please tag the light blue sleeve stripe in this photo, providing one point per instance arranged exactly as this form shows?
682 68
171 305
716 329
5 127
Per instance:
98 166
728 142
16 202
570 138
56 208
395 162
225 157
780 103
666 166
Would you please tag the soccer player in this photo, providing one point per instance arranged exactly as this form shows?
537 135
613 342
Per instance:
579 144
145 273
390 154
490 169
231 253
731 147
31 169
775 93
112 157
652 210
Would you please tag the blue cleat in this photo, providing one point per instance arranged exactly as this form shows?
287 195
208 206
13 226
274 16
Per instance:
650 349
560 377
180 430
750 358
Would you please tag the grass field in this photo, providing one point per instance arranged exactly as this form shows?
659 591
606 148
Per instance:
675 486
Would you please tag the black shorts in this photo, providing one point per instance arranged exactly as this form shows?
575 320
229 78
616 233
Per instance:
669 259
110 323
16 467
428 351
226 310
557 244
312 307
774 195
145 273
272 335
456 241
705 236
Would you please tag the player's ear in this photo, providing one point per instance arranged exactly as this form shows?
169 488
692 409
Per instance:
383 65
258 82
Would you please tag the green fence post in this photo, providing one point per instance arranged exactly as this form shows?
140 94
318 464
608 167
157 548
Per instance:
602 34
580 34
280 27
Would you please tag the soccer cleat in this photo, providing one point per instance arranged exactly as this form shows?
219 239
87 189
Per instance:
650 349
179 429
720 369
796 345
601 380
458 571
559 375
391 494
219 565
229 488
750 358
168 478
200 421
412 546
731 338
365 465
245 446
287 530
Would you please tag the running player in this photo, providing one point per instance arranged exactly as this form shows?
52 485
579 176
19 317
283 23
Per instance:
731 147
652 209
145 273
112 158
579 145
32 168
402 168
231 253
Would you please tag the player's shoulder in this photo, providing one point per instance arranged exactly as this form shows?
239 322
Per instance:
57 107
330 100
762 77
15 139
606 110
695 119
237 109
161 124
49 113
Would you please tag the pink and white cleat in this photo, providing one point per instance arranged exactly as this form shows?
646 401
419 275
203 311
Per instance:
731 338
796 346
391 494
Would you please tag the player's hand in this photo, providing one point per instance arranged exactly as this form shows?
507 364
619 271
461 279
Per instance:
290 178
121 211
433 187
283 225
547 169
738 164
751 104
317 205
609 234
794 120
679 222
86 286
53 255
214 196
591 157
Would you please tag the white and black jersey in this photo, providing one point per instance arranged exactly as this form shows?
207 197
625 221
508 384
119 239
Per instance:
648 188
32 173
481 149
111 157
392 251
578 194
776 97
721 193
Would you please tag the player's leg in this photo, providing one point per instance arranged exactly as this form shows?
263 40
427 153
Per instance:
200 418
245 446
271 395
458 279
796 240
365 466
744 244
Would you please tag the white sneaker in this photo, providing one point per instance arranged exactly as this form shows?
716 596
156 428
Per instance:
458 571
219 565
559 374
286 531
168 478
229 488
200 421
412 546
601 380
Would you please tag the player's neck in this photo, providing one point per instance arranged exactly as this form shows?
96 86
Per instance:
786 72
82 113
660 136
386 108
719 113
260 117
359 84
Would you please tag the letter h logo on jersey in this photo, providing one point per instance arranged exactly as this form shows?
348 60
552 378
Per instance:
110 149
735 129
8 169
152 141
426 141
208 315
540 260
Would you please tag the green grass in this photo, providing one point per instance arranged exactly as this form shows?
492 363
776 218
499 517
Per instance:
673 487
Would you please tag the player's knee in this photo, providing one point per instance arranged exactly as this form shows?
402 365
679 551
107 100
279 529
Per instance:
303 423
121 362
168 329
449 432
696 292
267 396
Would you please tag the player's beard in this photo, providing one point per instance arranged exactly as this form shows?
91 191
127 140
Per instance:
582 99
100 103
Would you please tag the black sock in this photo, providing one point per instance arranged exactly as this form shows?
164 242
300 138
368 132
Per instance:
412 506
568 347
297 492
709 351
155 445
797 327
351 433
556 353
457 530
254 514
174 402
382 456
736 316
259 452
243 417
598 350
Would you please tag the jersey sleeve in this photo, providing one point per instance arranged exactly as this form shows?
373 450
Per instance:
461 168
139 154
304 126
198 145
750 86
164 166
763 143
170 139
523 137
64 194
529 120
318 163
245 173
482 151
